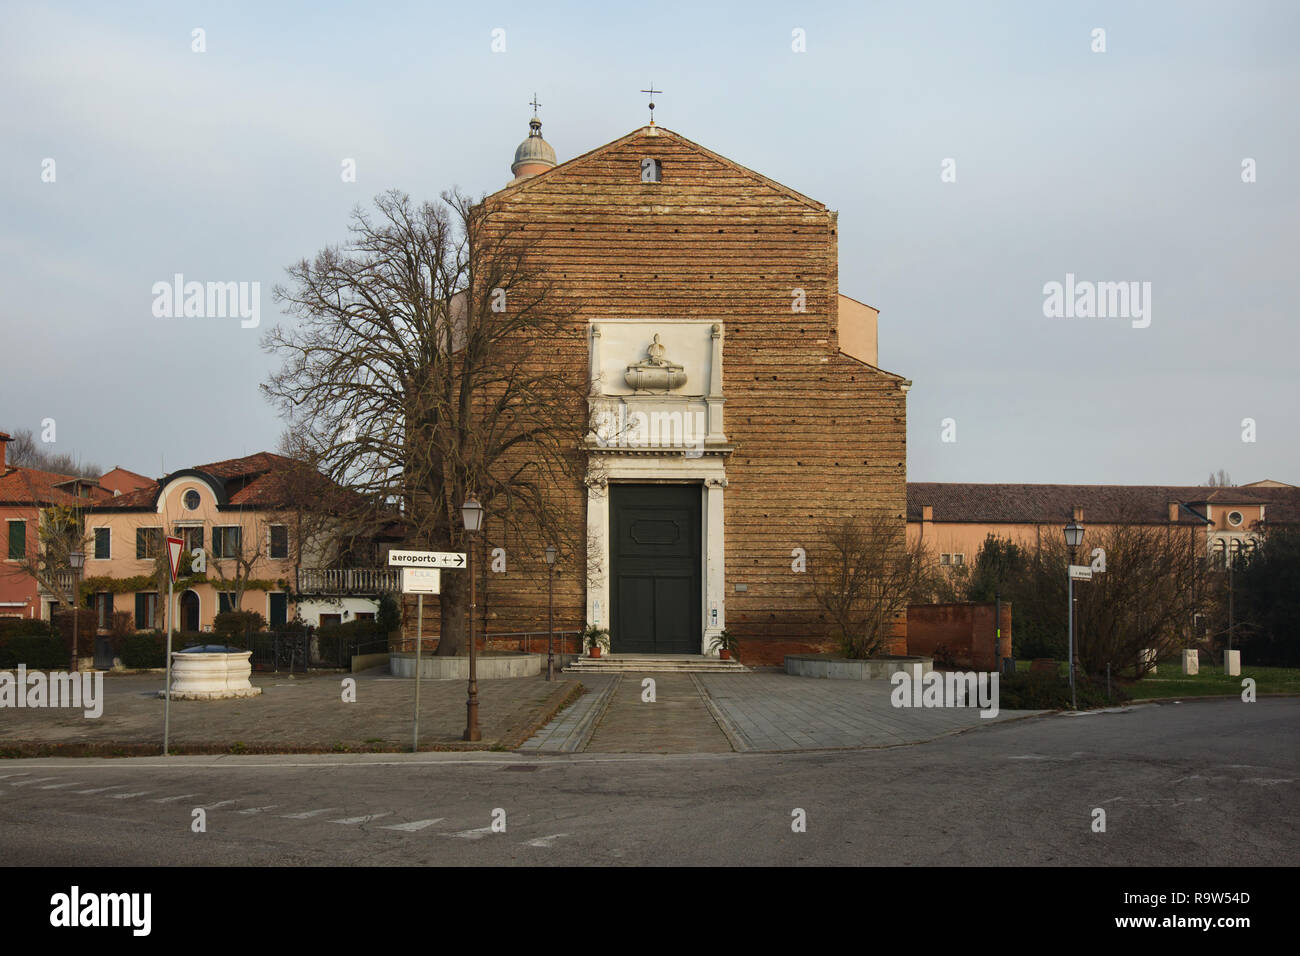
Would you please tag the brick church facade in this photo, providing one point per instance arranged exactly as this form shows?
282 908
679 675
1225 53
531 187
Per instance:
731 422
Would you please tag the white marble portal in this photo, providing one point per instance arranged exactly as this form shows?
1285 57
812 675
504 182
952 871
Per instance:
668 434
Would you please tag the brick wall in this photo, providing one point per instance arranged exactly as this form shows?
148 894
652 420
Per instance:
966 628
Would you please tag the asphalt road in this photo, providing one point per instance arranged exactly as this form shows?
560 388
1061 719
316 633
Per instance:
1206 783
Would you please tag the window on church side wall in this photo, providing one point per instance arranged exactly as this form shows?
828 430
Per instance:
652 171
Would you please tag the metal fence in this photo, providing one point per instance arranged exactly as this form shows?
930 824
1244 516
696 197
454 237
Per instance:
301 651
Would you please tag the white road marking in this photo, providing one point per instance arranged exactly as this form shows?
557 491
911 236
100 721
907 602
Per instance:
219 803
8 775
259 809
127 796
308 814
24 783
412 827
116 786
478 834
1264 782
349 821
180 796
546 841
56 786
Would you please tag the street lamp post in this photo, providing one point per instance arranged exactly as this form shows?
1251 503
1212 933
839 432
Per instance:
472 514
1234 551
1073 538
76 561
550 610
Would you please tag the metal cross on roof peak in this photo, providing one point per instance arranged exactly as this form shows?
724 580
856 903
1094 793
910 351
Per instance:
534 104
652 91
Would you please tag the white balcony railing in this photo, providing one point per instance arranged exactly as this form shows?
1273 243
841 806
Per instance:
354 581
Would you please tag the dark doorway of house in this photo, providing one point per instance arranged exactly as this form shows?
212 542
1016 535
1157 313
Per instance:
189 611
655 569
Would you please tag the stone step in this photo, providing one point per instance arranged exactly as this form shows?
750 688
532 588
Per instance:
654 665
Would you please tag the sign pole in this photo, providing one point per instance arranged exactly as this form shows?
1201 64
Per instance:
419 642
421 576
1069 600
167 701
174 546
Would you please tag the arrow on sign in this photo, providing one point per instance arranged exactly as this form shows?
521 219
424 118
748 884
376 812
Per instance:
174 546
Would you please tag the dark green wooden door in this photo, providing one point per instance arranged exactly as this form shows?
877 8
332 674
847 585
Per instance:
655 569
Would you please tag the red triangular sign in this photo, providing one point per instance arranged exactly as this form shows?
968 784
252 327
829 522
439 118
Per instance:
174 546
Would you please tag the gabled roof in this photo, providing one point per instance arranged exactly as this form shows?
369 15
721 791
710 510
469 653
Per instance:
121 480
677 137
32 486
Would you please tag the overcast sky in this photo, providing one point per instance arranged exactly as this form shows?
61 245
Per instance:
1122 165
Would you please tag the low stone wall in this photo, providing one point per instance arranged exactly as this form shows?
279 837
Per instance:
842 668
363 662
966 629
492 667
772 651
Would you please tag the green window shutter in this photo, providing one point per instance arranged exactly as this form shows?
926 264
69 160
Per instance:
17 540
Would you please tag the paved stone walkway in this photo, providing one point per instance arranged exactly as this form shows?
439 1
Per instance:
305 714
764 711
772 711
678 721
571 730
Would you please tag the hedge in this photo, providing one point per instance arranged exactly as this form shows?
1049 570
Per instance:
23 626
1044 691
37 652
147 649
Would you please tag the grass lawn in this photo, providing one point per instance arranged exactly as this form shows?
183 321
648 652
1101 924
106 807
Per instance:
1170 681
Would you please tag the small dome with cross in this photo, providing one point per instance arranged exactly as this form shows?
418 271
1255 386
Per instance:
534 154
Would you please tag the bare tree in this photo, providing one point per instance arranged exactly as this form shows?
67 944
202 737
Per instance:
26 452
238 557
425 366
326 525
864 575
61 530
1220 480
1156 580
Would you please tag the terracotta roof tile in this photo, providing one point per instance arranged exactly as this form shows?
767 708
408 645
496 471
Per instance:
1036 504
31 486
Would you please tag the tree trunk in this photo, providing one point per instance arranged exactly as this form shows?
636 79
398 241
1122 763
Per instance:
453 616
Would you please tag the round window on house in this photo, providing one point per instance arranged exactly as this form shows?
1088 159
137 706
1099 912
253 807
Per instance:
1234 518
191 500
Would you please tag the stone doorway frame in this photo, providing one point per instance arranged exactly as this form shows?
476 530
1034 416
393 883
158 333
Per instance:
709 473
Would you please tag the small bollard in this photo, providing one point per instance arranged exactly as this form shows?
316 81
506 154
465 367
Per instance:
1232 663
1191 662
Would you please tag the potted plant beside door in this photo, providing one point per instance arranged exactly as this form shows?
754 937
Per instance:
725 643
594 638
